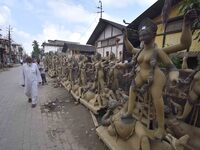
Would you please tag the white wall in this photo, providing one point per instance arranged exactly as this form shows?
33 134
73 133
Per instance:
120 49
100 50
101 37
108 31
52 48
108 34
107 49
121 38
116 31
114 50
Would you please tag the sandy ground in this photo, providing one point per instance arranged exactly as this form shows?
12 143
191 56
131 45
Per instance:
76 118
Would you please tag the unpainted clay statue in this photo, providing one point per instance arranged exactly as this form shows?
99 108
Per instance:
65 70
113 82
99 73
82 69
193 96
75 87
105 96
148 71
184 64
123 131
87 93
121 96
178 144
70 71
179 129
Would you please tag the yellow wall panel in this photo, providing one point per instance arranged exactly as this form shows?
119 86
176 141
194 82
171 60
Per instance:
195 44
172 39
174 12
157 19
159 40
160 29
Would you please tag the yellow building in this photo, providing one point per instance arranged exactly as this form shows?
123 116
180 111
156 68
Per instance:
173 29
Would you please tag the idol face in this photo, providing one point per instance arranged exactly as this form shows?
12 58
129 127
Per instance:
146 36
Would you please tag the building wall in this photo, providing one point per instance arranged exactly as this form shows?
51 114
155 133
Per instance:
159 40
173 13
108 31
116 31
107 41
173 38
101 37
195 44
52 48
100 51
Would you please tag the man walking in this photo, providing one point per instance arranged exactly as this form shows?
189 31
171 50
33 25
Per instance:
42 71
30 79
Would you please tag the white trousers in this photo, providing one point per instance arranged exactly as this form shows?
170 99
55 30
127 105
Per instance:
31 91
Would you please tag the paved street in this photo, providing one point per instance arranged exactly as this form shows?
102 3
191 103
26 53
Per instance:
40 128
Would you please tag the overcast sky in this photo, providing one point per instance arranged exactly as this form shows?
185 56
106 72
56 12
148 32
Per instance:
70 20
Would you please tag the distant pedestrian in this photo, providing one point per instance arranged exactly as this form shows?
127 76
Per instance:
30 79
21 61
42 71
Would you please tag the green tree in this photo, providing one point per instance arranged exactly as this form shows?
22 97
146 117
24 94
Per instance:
187 5
36 50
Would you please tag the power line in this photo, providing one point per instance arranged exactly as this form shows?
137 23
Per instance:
94 21
101 11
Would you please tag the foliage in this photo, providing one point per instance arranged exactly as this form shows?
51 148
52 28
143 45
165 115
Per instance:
36 50
188 5
176 61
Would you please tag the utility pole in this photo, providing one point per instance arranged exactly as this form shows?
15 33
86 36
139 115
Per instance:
100 7
9 42
0 34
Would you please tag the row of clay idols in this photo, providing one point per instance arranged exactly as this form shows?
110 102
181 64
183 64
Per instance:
147 88
114 99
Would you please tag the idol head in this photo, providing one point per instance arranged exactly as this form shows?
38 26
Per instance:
98 56
147 31
112 56
81 57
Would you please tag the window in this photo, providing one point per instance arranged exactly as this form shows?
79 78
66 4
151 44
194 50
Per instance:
112 41
98 44
174 26
104 43
107 53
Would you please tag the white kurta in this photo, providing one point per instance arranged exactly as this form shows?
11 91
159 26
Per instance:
30 78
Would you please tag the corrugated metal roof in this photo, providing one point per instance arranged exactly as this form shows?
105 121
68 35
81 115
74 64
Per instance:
70 45
78 47
59 43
